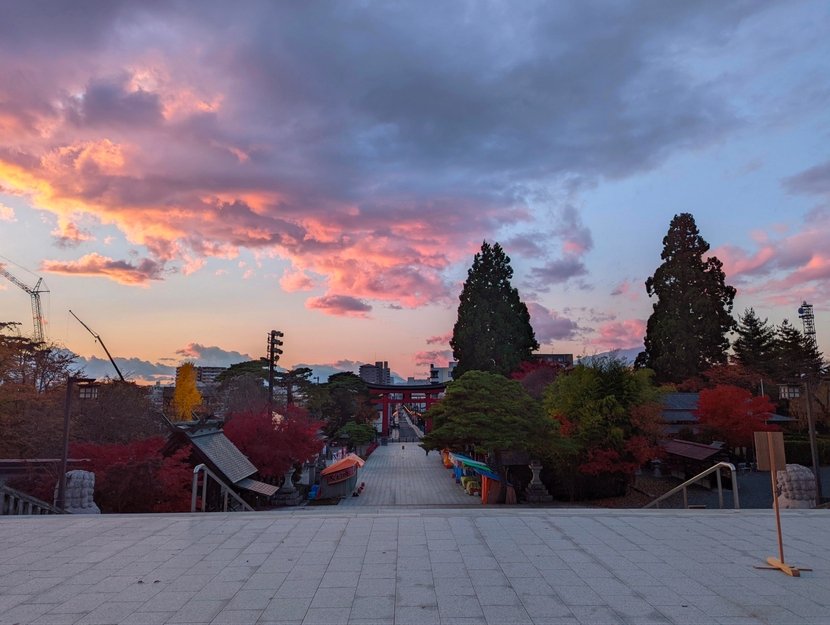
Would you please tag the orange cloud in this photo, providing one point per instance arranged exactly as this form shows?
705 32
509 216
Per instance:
119 270
296 280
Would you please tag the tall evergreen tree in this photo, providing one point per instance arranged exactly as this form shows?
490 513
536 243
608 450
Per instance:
755 345
493 331
687 330
795 354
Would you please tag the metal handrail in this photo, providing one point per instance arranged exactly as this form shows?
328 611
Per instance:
714 468
225 490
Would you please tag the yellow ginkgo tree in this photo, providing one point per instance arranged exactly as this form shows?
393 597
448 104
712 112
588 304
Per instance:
186 397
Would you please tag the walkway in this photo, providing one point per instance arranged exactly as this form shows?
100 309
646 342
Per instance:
401 474
471 566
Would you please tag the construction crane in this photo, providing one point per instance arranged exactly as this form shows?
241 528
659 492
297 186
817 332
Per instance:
34 292
98 338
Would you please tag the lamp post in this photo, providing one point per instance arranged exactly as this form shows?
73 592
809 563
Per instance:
70 382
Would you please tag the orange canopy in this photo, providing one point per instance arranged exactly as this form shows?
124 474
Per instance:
349 461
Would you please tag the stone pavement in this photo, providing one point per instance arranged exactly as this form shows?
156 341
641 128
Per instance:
402 474
468 565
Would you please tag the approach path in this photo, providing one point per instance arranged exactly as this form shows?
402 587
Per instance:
401 474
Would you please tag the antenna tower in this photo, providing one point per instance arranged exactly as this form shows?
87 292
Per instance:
805 313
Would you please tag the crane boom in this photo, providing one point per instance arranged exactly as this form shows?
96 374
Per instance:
98 338
34 293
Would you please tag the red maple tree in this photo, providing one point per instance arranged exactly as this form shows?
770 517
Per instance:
732 414
137 477
274 444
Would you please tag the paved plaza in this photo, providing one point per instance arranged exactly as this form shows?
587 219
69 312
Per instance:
401 474
398 565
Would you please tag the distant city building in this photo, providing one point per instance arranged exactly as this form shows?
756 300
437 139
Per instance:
441 375
564 360
410 381
204 375
377 373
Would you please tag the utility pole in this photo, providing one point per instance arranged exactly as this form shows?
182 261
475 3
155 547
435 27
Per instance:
274 351
805 313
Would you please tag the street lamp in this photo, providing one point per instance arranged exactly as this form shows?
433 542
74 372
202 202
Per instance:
70 382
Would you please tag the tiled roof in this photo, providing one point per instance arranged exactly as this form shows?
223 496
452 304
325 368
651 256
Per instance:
257 487
680 401
688 449
223 454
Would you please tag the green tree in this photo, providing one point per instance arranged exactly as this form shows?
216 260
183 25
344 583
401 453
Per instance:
344 398
489 413
687 330
357 433
609 418
493 331
186 397
795 354
294 381
754 346
250 367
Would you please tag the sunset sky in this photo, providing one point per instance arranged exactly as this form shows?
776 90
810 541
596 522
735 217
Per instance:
187 176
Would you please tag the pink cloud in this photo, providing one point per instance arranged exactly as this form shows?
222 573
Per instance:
70 235
6 213
440 339
339 305
629 290
438 357
788 265
549 325
294 280
121 271
619 335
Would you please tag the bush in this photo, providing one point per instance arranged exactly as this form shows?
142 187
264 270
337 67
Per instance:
798 451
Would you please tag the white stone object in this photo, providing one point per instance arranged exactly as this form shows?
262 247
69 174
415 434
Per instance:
80 490
796 487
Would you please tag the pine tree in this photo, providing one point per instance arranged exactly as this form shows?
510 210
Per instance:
755 345
795 354
687 331
493 331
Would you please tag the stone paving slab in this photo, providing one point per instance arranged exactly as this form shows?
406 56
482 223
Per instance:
368 565
402 474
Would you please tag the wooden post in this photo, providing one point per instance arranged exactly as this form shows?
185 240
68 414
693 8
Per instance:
770 449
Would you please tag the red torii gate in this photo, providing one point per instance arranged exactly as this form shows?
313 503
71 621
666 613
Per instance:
386 397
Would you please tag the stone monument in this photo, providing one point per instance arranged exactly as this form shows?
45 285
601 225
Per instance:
536 491
288 495
80 489
796 487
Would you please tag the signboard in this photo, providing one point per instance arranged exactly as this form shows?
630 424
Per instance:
340 476
762 450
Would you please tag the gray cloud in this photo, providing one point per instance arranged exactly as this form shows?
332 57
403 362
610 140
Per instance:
408 130
813 181
211 355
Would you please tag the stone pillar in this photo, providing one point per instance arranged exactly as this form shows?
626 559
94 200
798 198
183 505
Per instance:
536 491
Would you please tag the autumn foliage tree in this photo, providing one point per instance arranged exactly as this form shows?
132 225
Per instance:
137 477
609 419
186 396
275 443
732 414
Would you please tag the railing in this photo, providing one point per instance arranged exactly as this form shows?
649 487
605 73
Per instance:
713 469
224 491
13 502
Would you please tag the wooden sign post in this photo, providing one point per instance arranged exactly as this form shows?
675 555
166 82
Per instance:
770 455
